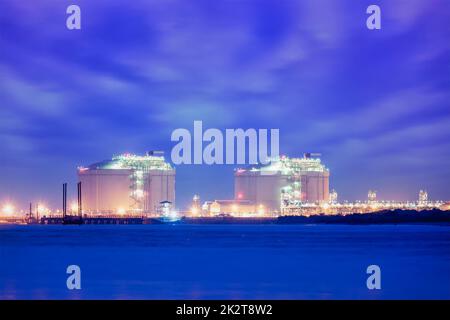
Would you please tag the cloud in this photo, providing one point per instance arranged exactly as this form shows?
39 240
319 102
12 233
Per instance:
139 69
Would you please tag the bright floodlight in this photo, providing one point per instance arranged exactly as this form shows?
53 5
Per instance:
42 209
8 210
74 207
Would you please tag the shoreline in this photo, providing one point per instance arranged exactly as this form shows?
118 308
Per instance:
394 217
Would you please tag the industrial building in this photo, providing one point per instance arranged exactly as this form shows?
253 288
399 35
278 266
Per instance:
127 184
284 182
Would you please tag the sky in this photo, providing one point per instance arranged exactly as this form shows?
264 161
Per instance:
374 103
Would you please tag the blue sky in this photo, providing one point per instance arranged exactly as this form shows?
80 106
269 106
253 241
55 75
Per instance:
376 104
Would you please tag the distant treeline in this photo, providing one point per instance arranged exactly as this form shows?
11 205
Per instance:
382 217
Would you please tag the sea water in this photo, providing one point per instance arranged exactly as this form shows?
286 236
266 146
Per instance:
181 261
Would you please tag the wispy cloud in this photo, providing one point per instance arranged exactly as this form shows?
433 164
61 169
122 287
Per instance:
139 69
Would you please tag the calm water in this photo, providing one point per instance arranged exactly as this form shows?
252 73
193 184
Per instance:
225 261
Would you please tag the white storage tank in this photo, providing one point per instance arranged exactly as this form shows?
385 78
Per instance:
127 184
284 181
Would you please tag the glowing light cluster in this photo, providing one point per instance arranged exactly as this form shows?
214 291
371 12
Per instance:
42 209
8 210
74 207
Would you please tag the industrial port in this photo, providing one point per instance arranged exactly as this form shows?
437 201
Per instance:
130 189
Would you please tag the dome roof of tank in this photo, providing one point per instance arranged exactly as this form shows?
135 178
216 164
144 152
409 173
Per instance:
131 161
106 164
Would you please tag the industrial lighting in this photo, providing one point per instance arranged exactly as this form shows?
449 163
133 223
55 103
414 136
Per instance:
139 174
74 207
261 210
173 215
139 193
42 209
8 209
